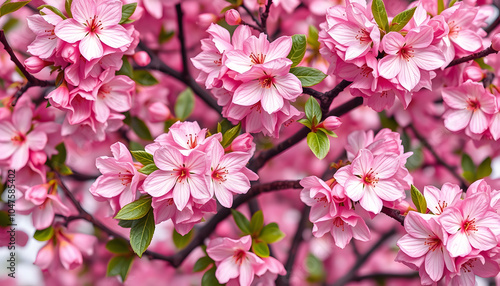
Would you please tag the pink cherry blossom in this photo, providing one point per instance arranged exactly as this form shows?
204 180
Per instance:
183 175
46 41
438 201
407 56
113 93
234 260
470 105
93 24
324 199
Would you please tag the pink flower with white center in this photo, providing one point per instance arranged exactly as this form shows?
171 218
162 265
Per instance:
323 197
370 179
471 224
269 83
407 56
257 51
18 139
470 107
234 260
46 41
112 94
438 201
43 203
463 33
426 239
120 178
94 23
480 264
343 227
228 174
183 175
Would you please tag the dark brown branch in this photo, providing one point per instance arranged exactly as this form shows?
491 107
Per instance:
264 14
395 214
474 56
382 276
361 260
182 40
32 81
312 92
251 15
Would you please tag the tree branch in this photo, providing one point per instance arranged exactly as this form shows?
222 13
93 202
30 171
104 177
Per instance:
381 276
264 13
180 36
32 81
474 56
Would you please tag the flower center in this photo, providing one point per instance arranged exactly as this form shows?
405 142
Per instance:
338 222
454 30
181 173
219 174
469 225
18 138
266 81
363 36
406 52
93 24
473 104
370 178
257 58
126 178
239 256
433 243
192 141
441 206
365 70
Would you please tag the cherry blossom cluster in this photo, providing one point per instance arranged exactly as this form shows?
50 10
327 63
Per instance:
457 239
86 48
187 169
376 176
398 59
250 77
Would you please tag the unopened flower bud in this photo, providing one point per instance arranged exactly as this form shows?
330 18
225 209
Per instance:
158 112
495 42
242 143
35 64
474 73
142 58
233 17
331 123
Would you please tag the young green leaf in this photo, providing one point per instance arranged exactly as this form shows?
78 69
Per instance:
144 77
440 6
44 234
135 210
230 135
298 49
209 278
120 265
54 10
241 221
305 122
126 68
260 248
202 263
127 11
7 7
118 246
271 233
468 164
401 19
67 6
380 14
148 169
315 268
418 200
181 241
184 104
313 111
125 223
319 143
312 37
308 76
484 169
256 223
140 128
142 232
143 157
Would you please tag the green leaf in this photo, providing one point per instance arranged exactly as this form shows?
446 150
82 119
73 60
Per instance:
184 104
209 278
142 232
315 268
418 200
125 223
148 169
144 77
135 146
126 68
260 248
271 233
440 6
60 157
7 7
118 246
181 241
312 37
305 122
143 157
4 216
140 128
328 132
169 124
127 11
67 6
63 169
229 136
44 234
135 210
452 2
308 76
120 265
483 65
469 176
241 221
380 14
165 35
202 263
313 111
318 143
298 49
256 223
484 169
468 164
53 9
401 19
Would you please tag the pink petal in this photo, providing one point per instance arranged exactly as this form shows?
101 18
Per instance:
428 59
479 122
482 239
115 37
43 47
199 188
288 86
101 110
181 194
468 40
237 183
385 166
420 39
91 47
246 273
409 76
455 98
224 197
361 231
392 43
362 163
434 264
227 270
271 100
458 244
7 130
45 256
109 186
36 140
390 66
196 162
83 10
413 247
342 235
458 119
370 201
20 157
279 48
21 119
248 93
354 188
109 13
159 183
7 150
70 30
43 215
168 158
388 190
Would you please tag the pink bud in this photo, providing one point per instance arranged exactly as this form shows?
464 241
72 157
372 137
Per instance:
158 112
59 97
474 73
242 143
495 42
37 194
142 58
233 17
38 157
403 207
70 256
331 123
35 64
45 256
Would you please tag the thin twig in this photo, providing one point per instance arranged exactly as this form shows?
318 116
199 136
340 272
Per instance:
251 15
383 276
264 14
395 214
182 40
474 56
